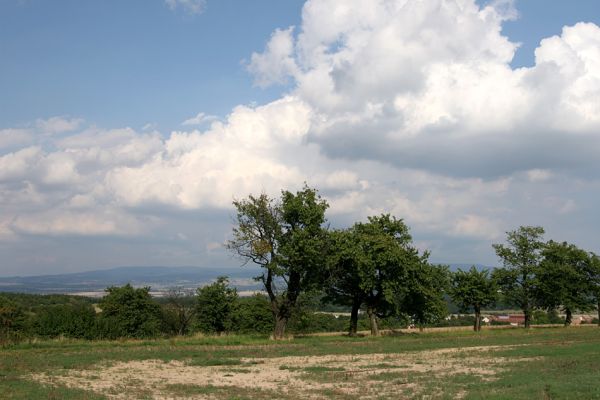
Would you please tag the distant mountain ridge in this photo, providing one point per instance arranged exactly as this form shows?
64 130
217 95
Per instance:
160 279
157 277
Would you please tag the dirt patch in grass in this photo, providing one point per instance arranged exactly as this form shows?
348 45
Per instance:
395 375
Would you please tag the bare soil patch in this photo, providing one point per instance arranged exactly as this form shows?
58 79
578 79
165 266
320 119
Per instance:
398 375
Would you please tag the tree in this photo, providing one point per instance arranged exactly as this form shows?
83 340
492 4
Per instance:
374 264
286 239
521 258
215 306
473 289
253 315
592 272
345 264
423 298
563 281
69 320
129 312
12 318
180 309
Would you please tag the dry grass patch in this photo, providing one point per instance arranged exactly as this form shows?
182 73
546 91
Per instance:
367 376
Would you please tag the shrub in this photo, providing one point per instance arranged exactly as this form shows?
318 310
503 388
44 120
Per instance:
253 315
128 312
215 307
73 321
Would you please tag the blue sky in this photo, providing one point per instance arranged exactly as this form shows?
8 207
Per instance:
428 110
131 63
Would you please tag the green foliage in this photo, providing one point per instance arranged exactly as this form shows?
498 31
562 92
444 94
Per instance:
473 290
547 317
215 306
128 312
423 300
375 264
253 315
521 258
287 240
12 320
73 321
178 309
563 281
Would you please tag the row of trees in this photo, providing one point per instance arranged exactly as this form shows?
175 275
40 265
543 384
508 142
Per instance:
547 275
375 266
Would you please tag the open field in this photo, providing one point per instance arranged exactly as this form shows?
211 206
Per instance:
548 363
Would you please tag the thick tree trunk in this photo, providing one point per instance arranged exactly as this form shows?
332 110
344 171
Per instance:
280 325
373 321
568 317
354 317
527 313
477 326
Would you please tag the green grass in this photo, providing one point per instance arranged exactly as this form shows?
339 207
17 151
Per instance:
557 363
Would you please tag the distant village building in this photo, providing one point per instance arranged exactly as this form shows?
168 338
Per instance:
513 319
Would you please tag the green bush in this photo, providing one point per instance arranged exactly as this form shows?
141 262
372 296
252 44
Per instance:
253 315
12 321
550 317
129 313
73 321
215 307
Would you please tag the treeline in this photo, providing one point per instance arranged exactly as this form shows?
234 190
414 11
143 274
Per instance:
128 312
375 266
371 269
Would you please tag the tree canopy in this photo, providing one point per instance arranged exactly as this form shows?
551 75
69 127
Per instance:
287 238
521 257
474 290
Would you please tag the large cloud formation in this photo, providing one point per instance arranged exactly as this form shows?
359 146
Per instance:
407 107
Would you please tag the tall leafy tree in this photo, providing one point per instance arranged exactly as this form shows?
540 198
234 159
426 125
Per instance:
474 290
215 306
592 272
374 265
288 240
521 257
423 300
563 281
346 265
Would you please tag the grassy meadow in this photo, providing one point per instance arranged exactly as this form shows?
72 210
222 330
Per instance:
540 363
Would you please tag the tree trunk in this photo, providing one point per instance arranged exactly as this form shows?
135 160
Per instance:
280 325
354 317
599 313
527 313
477 326
568 317
373 322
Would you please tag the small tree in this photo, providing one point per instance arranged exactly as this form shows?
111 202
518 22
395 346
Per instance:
129 312
12 319
253 315
286 239
423 298
473 289
180 309
215 306
521 258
